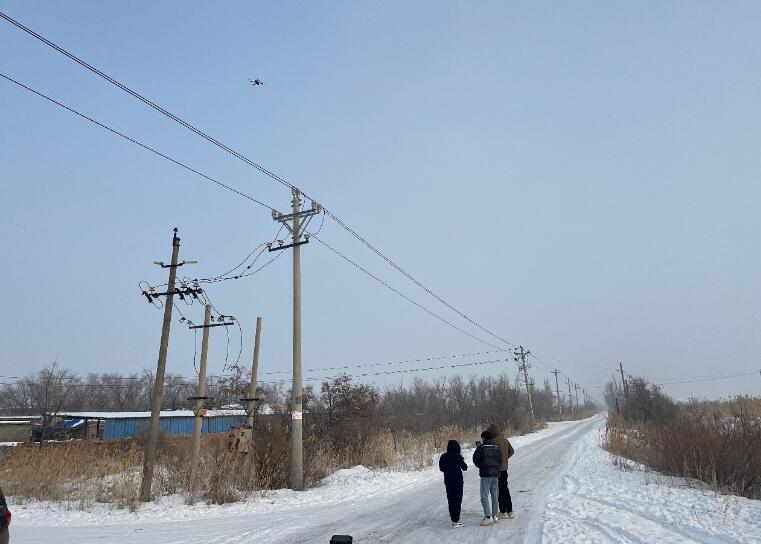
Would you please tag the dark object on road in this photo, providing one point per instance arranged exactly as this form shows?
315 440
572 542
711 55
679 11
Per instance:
341 539
5 519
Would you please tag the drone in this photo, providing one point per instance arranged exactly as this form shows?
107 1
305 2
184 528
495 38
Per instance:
256 82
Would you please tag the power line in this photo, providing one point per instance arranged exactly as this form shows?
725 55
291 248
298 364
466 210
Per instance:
136 142
405 297
403 371
260 168
250 162
383 363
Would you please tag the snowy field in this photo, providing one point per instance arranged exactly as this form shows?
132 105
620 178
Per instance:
565 489
599 503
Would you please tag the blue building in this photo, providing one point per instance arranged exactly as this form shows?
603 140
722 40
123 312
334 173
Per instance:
110 425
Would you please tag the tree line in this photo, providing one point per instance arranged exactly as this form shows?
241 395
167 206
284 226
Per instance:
416 405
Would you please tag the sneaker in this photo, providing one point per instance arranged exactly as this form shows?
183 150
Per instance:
458 524
487 521
494 519
510 515
506 515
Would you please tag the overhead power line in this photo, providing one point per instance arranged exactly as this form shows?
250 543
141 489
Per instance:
136 142
258 167
382 363
405 297
250 162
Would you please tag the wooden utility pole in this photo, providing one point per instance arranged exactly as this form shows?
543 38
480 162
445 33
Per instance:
297 229
521 353
570 397
149 458
251 400
557 390
195 456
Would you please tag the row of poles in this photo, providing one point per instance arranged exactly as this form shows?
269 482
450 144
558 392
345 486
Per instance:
296 223
523 365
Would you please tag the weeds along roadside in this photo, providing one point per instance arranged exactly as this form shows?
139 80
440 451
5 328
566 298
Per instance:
715 442
81 474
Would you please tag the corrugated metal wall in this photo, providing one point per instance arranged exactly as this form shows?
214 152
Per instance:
131 427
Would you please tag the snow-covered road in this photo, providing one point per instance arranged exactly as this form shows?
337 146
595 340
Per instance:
396 509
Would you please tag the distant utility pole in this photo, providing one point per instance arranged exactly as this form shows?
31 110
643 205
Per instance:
576 387
557 390
623 381
521 353
200 397
149 458
570 397
251 400
297 230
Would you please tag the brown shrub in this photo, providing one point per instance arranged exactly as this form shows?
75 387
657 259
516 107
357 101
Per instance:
721 447
82 473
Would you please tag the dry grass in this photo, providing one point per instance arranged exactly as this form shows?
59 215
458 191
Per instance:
718 443
81 474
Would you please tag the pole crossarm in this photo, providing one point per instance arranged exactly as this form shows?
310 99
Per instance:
211 325
182 293
286 246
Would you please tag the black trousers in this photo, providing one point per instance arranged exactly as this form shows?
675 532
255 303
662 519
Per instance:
505 501
454 498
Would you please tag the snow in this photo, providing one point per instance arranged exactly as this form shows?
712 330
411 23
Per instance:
564 487
598 503
359 501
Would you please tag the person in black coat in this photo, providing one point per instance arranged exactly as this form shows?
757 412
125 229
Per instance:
488 458
452 464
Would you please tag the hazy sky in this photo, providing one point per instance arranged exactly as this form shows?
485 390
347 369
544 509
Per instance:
579 177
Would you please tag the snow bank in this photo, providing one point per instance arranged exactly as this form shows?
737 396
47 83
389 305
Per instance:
346 485
598 502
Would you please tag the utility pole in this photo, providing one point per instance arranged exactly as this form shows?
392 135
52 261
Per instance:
557 390
521 353
149 458
251 400
576 387
570 397
297 229
200 397
623 381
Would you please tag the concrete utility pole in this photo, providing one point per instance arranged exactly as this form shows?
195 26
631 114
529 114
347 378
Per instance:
200 397
297 229
199 411
623 381
149 458
576 387
557 390
521 353
570 397
251 400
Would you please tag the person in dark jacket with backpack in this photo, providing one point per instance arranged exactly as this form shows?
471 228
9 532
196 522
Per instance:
488 458
452 464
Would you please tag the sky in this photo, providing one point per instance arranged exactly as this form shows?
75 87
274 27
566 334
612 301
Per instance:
579 178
